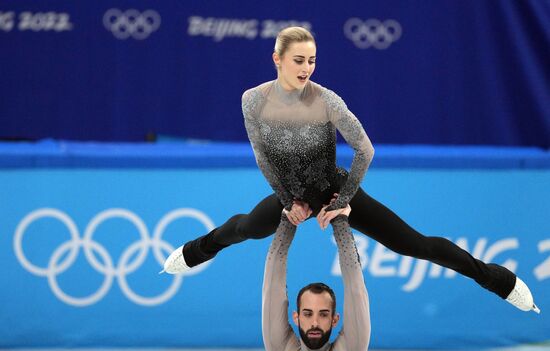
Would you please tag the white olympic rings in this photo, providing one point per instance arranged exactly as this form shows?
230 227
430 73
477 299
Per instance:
131 23
372 32
69 251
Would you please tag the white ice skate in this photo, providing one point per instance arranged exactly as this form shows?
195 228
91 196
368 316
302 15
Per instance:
521 297
175 263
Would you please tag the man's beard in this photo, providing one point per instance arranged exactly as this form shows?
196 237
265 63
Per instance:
314 343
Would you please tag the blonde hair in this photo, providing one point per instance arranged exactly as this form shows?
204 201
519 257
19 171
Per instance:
291 35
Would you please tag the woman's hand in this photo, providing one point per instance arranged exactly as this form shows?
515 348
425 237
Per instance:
299 212
324 217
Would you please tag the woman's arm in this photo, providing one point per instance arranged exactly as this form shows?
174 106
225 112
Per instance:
351 129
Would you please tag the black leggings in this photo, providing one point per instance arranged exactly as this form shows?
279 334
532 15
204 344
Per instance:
369 217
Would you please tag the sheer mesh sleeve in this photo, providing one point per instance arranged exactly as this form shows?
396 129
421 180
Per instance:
351 129
250 101
356 328
276 330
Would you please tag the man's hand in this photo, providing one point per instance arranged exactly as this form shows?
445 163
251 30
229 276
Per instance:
324 217
299 212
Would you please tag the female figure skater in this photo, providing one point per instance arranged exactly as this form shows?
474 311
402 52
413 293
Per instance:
291 123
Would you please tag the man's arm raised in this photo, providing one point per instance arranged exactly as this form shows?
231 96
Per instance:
355 333
276 330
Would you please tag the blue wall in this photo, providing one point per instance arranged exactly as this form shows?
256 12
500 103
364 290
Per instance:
81 248
429 72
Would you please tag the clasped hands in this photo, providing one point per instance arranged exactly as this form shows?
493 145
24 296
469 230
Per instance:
300 211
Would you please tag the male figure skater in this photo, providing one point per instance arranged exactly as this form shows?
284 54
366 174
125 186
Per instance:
316 314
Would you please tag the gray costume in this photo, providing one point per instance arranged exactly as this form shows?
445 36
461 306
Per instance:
293 135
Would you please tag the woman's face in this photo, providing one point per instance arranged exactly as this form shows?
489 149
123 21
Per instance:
296 65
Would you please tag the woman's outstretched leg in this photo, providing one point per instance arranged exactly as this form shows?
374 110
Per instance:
378 222
261 222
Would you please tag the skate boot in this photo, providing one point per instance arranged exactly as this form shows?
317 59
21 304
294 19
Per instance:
508 286
175 263
191 254
521 297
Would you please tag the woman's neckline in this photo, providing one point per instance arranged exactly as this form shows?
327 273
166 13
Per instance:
286 95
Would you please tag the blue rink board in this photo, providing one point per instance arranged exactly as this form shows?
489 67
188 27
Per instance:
105 291
66 154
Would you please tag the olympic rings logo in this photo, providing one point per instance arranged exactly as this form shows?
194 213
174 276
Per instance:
131 23
69 251
372 32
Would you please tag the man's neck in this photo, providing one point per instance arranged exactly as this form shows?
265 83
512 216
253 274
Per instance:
325 347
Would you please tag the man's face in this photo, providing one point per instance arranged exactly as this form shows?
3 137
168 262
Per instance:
315 319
